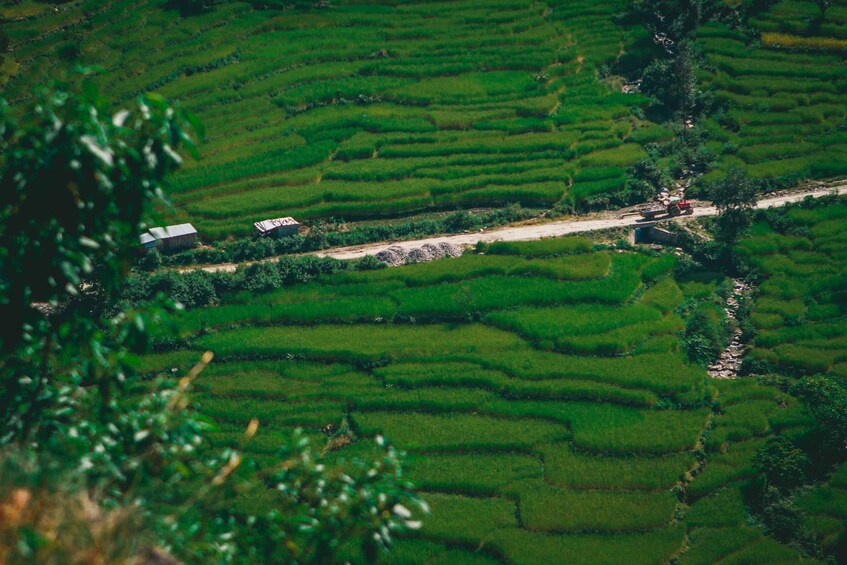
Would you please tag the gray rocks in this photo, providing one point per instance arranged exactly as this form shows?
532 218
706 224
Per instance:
728 364
395 255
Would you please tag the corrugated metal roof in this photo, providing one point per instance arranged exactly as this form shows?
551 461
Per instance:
146 238
269 225
173 231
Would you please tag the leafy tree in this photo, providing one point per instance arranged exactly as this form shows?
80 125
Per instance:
678 18
648 171
671 80
702 337
823 6
262 277
783 465
827 399
75 186
461 220
735 198
781 517
150 261
369 263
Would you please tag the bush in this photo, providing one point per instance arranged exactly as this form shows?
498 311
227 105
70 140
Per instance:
192 290
702 337
461 221
781 518
150 261
783 465
262 277
369 263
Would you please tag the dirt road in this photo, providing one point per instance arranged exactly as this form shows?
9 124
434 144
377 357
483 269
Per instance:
553 229
531 232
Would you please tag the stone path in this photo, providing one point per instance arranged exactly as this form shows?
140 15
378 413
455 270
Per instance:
728 364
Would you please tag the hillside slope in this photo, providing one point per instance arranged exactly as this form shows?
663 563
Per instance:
364 110
541 388
367 111
785 93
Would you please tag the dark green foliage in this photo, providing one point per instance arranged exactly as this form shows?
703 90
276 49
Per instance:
781 517
191 7
197 288
369 263
782 463
680 18
702 336
827 399
150 261
75 184
262 277
672 81
735 197
460 221
644 180
192 290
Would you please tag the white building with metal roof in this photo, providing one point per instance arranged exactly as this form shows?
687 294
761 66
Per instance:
171 238
278 226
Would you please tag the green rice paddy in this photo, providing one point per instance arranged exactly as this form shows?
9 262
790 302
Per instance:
786 92
562 423
362 110
367 111
800 308
541 388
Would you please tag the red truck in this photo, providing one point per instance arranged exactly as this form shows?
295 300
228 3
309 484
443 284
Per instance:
672 209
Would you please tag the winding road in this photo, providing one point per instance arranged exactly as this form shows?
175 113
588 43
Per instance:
529 232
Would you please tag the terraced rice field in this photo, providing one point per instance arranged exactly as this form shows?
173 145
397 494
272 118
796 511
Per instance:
549 410
800 327
365 110
799 311
787 93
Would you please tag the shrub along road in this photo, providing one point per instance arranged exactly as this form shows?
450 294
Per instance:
603 221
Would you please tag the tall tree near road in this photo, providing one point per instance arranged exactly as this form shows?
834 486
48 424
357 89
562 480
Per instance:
735 198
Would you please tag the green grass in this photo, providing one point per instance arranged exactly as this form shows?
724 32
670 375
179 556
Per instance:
786 103
568 469
664 295
587 329
293 99
458 432
541 248
799 312
474 473
547 509
735 464
471 521
711 545
723 509
353 343
544 417
535 548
